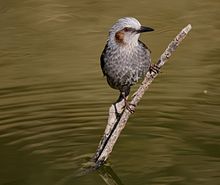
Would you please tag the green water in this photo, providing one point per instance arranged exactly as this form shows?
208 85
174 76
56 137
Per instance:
54 100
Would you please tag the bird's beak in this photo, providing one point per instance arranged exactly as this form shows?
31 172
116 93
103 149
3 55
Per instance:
144 29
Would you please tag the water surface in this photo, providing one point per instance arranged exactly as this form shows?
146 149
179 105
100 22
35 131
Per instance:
54 99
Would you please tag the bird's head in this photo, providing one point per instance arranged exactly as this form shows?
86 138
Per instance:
127 31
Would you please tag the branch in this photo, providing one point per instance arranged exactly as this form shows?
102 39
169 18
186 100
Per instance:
116 122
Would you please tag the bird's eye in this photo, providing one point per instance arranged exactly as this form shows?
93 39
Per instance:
126 29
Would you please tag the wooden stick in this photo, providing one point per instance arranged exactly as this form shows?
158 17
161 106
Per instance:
116 122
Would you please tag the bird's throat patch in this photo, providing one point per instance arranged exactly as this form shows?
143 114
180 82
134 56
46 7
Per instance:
119 37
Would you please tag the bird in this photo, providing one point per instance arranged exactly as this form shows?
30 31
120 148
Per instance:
125 59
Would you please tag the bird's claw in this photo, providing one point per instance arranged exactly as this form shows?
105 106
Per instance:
129 108
154 68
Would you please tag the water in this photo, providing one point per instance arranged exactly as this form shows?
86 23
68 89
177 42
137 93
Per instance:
54 100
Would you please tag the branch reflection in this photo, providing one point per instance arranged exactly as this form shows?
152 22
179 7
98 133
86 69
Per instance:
109 176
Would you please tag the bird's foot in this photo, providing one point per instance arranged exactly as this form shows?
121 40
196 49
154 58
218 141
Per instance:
130 107
154 68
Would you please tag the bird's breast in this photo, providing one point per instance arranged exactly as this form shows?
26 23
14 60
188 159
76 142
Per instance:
124 66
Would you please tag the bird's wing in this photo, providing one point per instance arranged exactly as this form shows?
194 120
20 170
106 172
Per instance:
102 60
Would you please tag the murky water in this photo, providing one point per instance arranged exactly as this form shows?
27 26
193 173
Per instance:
54 99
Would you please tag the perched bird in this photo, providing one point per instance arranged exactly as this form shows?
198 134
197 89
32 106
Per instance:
125 59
